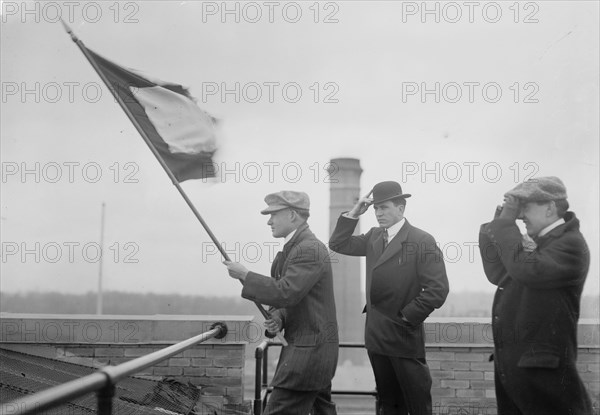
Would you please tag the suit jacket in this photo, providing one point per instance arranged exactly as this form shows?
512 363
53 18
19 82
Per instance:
300 290
535 314
407 279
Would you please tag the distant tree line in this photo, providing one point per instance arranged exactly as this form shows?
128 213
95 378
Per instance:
460 304
116 302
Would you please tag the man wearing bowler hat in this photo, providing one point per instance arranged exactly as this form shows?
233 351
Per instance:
300 293
406 281
540 278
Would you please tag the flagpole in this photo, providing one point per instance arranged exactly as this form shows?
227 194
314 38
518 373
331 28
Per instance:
174 180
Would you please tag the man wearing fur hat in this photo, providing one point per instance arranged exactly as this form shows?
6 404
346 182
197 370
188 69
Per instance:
540 278
406 281
300 293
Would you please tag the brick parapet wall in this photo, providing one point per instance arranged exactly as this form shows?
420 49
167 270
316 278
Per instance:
458 352
217 365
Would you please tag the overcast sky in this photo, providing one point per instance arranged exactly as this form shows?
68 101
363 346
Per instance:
457 103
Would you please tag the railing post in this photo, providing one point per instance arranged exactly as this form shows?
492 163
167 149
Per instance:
265 375
265 379
257 407
105 397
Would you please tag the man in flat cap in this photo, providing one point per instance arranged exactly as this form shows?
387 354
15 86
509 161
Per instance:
406 281
300 293
536 306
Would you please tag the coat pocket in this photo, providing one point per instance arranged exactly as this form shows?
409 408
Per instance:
541 359
306 340
396 320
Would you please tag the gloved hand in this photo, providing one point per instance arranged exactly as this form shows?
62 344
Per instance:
510 209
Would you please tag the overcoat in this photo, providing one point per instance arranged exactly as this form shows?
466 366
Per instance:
534 316
407 279
300 291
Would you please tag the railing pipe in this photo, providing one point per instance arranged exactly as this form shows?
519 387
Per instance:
48 398
104 379
116 373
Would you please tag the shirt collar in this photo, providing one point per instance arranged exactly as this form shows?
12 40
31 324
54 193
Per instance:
551 226
395 228
290 236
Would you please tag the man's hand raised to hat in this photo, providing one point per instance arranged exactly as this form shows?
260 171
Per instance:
236 270
510 208
361 206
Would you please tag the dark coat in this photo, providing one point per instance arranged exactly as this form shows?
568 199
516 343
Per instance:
407 279
300 290
535 313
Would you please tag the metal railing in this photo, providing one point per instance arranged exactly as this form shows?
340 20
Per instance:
104 380
261 378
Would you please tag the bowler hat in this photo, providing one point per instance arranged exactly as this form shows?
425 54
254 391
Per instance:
284 200
540 189
386 191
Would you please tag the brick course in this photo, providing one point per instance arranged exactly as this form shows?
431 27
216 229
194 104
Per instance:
467 384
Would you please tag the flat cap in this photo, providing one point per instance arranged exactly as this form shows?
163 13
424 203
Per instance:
284 200
540 189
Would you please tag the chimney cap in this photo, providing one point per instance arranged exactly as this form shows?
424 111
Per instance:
344 163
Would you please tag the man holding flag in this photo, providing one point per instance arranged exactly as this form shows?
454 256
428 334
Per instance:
300 292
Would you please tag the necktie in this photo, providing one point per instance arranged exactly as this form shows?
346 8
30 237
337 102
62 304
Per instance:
385 238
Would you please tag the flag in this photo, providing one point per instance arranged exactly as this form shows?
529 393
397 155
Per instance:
182 133
179 133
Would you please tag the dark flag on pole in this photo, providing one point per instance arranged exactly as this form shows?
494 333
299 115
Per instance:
183 134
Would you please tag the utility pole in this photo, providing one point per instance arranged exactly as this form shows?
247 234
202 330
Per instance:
99 296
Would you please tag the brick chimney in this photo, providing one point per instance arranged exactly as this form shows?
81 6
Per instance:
344 192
